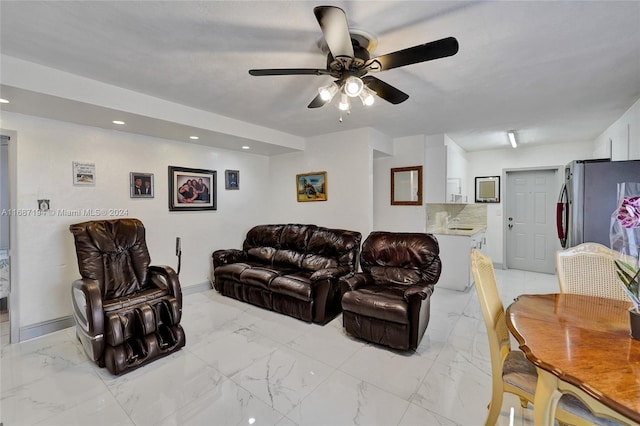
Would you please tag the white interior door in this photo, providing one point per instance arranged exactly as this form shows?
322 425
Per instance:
531 239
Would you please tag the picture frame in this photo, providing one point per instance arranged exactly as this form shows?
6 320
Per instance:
487 189
141 185
184 194
231 179
406 186
311 187
84 174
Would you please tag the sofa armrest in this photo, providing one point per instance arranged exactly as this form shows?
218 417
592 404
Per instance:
166 277
420 290
87 306
330 273
225 257
355 281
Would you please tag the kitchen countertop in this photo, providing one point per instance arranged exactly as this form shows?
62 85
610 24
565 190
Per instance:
458 230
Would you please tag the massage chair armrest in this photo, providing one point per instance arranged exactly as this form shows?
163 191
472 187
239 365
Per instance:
87 306
227 256
165 277
420 290
355 281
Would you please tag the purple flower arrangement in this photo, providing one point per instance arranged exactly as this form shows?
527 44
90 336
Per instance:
628 216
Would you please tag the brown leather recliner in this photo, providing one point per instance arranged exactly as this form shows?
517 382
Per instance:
127 313
388 303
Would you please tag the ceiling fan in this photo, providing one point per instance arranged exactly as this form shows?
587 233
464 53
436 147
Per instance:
349 62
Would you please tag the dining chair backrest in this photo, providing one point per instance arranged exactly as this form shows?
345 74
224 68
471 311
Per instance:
492 310
589 269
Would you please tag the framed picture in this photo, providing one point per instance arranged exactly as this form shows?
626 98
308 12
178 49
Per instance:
488 189
84 174
141 185
311 186
231 179
191 189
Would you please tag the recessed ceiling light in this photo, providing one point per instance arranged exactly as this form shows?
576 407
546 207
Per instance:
118 122
246 147
4 101
195 138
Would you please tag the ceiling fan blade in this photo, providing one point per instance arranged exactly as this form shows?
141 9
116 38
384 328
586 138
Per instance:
384 90
333 23
317 102
289 71
412 55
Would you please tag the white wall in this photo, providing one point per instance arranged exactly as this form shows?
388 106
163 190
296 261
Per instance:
408 151
45 254
346 157
622 139
435 168
494 162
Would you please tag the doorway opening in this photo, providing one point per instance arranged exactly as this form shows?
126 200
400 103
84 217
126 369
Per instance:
5 271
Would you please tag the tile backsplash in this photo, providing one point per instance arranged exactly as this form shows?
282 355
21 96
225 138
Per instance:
466 214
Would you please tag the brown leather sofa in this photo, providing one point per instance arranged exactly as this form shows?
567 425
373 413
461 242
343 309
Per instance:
127 312
292 269
388 303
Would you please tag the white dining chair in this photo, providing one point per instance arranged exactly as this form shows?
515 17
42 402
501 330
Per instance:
589 269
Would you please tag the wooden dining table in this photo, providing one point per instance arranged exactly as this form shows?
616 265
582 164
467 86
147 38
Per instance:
579 345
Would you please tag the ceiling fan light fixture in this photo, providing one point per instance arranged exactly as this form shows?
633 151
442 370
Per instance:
367 96
512 138
328 92
353 86
344 103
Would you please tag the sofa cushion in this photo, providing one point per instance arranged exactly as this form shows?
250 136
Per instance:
296 237
259 276
231 271
261 242
293 245
263 236
261 254
297 285
329 248
381 302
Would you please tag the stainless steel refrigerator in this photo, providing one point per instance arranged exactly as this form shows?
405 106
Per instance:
588 198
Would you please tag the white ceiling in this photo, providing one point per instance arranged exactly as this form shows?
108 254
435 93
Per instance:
556 71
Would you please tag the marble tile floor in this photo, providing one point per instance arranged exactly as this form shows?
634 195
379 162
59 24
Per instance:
243 365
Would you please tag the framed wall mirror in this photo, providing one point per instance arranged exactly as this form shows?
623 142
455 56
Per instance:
488 189
406 186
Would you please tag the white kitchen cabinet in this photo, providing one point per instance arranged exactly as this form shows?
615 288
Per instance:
455 255
445 171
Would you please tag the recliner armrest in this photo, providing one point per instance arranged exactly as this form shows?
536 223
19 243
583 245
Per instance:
420 290
355 281
166 277
87 306
225 257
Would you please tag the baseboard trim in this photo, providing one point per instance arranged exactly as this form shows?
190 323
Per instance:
46 327
498 265
196 288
